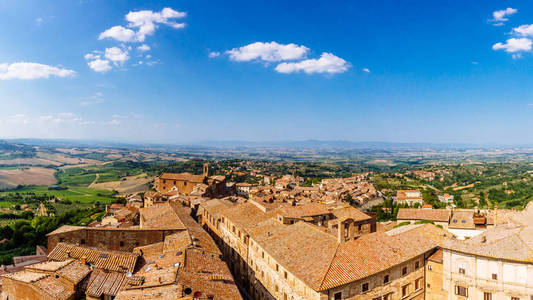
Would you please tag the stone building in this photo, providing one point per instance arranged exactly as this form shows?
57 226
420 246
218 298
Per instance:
409 197
276 259
182 263
120 239
495 265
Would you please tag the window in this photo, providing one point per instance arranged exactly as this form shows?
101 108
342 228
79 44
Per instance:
494 276
61 240
360 227
515 298
277 268
487 296
429 285
417 265
386 279
82 241
462 271
121 243
285 275
429 267
364 287
387 296
461 291
404 271
262 254
377 298
405 290
418 284
338 296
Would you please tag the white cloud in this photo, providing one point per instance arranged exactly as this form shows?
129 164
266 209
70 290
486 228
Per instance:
327 63
116 55
214 54
90 56
366 70
270 52
514 45
119 33
100 65
500 16
524 30
26 70
143 48
19 118
475 63
39 21
145 21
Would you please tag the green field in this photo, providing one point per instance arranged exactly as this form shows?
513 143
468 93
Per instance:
74 194
84 176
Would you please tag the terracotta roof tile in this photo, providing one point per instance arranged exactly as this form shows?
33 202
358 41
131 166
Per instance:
437 215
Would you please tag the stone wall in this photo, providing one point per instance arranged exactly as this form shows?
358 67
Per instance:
121 239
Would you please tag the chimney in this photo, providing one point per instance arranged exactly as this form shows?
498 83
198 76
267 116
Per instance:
83 260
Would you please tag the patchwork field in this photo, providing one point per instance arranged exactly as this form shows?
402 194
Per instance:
12 177
127 185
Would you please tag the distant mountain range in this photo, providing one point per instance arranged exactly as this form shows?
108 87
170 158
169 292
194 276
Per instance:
339 144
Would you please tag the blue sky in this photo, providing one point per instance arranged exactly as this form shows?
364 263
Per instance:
185 71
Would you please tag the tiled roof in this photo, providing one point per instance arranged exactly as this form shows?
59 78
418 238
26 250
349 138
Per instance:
207 274
74 272
55 288
101 259
305 210
462 220
102 282
246 215
160 216
302 248
199 237
436 257
169 292
378 252
511 241
350 212
437 215
47 285
66 228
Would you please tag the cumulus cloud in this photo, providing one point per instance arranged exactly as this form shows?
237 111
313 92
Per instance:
116 55
119 33
367 70
27 70
500 16
327 63
524 30
214 54
145 22
270 52
100 65
90 56
514 45
143 48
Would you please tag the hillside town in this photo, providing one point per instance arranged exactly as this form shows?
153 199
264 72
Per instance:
201 237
